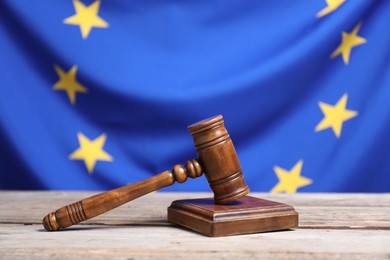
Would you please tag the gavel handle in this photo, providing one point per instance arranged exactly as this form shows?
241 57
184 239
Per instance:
93 206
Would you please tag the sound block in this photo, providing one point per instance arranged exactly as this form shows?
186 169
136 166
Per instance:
244 216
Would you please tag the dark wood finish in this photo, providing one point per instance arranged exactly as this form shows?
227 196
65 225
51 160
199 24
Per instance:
216 155
219 159
243 216
103 202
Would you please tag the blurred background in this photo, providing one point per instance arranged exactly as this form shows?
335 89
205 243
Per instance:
98 94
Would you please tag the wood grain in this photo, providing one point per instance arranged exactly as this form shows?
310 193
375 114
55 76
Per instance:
95 205
317 210
219 159
140 242
331 226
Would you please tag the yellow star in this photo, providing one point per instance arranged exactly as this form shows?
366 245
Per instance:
68 83
290 181
86 17
349 40
335 116
332 5
91 151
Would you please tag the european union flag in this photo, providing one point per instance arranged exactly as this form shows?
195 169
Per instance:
98 94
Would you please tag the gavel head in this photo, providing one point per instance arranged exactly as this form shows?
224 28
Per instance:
218 159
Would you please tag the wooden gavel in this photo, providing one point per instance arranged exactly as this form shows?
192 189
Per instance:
217 159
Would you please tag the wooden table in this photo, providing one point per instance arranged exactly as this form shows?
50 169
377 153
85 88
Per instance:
331 226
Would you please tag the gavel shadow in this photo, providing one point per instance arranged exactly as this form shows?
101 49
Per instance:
87 227
237 235
105 226
147 223
203 216
207 203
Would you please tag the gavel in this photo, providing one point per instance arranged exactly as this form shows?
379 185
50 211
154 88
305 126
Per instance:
217 158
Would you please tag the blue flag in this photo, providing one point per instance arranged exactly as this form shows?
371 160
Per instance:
98 94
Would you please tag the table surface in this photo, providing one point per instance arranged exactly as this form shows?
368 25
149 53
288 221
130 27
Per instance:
331 226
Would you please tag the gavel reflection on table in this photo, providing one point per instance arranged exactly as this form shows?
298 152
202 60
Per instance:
229 213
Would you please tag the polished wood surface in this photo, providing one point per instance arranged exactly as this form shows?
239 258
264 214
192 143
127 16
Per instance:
217 158
243 216
93 206
331 226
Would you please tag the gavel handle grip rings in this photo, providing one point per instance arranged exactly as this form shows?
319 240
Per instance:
98 204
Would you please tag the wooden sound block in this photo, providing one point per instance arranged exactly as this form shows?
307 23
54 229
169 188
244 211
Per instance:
243 216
